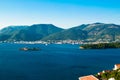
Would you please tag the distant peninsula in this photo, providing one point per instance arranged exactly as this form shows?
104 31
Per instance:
100 46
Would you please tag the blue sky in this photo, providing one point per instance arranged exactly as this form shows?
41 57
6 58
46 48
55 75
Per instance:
62 13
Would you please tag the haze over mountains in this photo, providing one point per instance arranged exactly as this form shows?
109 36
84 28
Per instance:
93 32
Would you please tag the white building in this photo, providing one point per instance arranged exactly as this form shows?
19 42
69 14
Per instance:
111 79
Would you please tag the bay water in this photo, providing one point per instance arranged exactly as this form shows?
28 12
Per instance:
53 62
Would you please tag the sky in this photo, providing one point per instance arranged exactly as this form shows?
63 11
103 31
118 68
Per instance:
62 13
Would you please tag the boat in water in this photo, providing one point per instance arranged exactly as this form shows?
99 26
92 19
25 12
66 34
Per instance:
29 49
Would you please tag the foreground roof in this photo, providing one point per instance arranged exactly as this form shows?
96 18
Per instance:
118 65
89 77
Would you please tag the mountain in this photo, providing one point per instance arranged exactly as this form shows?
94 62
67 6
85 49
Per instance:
86 32
10 31
98 31
72 34
28 33
94 32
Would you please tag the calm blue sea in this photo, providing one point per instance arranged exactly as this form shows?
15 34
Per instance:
53 62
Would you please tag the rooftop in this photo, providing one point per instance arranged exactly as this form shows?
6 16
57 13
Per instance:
89 77
118 65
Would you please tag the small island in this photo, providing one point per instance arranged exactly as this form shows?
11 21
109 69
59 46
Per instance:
100 46
29 49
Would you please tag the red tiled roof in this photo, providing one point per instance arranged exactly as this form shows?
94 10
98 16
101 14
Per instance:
118 65
90 77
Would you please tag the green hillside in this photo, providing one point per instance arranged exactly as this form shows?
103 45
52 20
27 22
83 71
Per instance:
72 33
94 32
28 33
87 32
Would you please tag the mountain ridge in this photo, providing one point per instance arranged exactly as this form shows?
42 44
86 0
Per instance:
94 32
27 33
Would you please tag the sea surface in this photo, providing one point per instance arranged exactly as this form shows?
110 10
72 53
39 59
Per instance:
53 62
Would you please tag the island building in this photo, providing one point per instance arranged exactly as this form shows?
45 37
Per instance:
89 77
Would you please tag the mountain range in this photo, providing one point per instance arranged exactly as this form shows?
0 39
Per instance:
93 32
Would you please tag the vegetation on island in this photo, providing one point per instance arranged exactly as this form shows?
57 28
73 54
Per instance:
100 46
109 74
